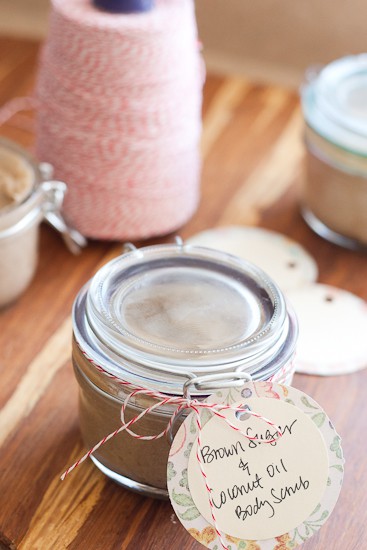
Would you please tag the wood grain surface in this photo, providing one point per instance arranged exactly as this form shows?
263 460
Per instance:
252 158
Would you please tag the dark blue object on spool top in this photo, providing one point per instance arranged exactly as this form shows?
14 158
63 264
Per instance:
124 6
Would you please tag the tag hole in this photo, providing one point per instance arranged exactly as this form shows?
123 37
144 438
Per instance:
329 298
292 265
243 415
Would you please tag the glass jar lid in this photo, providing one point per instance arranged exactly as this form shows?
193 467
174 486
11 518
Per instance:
335 103
177 311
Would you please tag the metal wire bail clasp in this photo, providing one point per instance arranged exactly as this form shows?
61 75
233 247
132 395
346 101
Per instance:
209 383
212 382
54 193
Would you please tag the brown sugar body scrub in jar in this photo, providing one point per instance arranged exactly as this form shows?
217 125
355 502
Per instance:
160 316
334 197
18 247
26 199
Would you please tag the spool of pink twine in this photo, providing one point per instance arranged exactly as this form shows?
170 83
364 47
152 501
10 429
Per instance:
120 116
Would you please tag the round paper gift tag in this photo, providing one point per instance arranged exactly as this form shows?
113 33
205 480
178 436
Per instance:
262 477
332 330
282 258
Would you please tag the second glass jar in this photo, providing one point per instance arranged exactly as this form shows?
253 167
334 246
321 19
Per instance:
334 201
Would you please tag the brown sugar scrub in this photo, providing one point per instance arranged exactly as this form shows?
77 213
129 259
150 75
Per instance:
156 318
25 200
334 197
16 177
18 249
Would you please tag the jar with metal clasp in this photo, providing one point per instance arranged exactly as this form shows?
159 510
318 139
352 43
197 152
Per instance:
163 318
334 195
29 196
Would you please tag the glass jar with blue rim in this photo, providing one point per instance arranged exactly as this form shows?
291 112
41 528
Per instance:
334 197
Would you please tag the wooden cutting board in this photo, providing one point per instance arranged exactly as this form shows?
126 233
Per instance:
252 159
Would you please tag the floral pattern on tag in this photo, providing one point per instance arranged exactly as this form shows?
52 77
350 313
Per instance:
179 489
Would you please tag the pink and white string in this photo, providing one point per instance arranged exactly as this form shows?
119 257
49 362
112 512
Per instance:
119 116
14 106
10 113
181 404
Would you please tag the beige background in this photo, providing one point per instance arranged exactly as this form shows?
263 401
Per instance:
267 39
280 38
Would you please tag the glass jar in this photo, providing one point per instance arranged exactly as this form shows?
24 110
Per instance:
157 318
20 221
334 198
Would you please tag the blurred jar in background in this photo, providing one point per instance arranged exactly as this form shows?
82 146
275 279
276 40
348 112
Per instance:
28 196
334 195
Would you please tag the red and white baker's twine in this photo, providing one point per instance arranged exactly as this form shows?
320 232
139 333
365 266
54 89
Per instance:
14 106
120 116
181 403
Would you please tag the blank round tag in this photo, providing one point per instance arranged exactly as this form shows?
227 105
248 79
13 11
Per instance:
332 330
281 258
